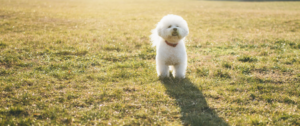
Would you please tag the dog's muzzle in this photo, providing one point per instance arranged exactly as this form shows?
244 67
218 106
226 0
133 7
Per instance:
174 33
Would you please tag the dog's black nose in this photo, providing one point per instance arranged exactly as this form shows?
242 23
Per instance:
175 29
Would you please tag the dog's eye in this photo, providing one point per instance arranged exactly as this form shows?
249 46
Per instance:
170 26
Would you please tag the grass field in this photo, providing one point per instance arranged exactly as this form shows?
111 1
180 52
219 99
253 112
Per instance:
90 62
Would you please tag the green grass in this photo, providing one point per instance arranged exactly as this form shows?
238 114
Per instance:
91 63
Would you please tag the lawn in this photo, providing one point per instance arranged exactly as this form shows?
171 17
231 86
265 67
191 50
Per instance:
90 62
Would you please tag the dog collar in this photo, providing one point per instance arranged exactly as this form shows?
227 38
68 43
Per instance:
170 44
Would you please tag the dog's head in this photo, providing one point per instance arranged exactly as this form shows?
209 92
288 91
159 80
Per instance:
172 28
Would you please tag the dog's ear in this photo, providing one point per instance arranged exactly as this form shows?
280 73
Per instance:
186 31
159 31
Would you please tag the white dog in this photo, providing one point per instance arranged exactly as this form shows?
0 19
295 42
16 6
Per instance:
168 37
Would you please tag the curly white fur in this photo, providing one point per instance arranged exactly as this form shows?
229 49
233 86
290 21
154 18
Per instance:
171 29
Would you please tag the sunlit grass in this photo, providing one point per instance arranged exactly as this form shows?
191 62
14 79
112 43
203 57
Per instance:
91 63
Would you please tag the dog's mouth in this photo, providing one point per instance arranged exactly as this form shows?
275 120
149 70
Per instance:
174 33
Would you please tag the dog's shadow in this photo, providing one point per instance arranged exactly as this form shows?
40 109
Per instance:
194 108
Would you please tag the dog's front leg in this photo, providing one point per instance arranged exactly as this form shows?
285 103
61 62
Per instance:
162 70
179 71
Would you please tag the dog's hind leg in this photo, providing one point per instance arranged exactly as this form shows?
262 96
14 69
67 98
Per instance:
172 69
